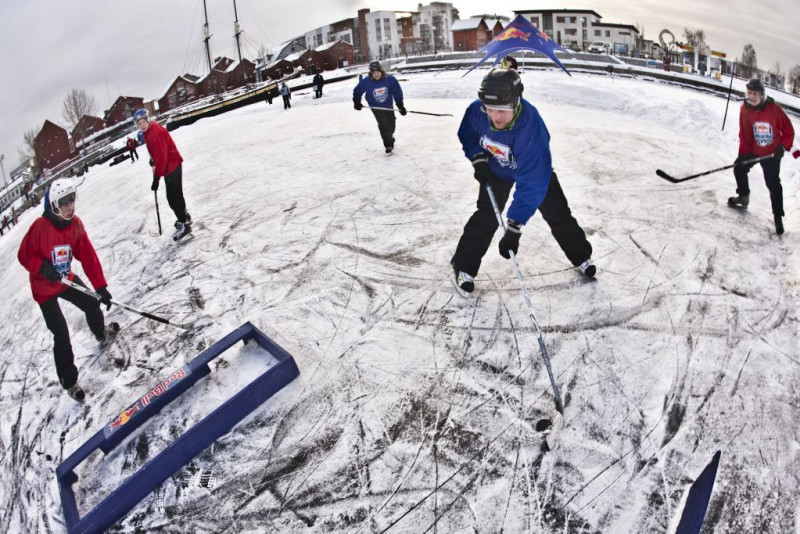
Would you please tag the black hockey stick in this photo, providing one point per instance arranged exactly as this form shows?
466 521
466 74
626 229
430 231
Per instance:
186 326
669 178
158 214
417 112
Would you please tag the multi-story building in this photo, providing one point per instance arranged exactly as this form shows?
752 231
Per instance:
435 21
410 37
571 28
383 36
623 37
86 127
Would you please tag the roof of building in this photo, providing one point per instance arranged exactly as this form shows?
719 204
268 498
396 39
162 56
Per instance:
612 25
465 24
564 11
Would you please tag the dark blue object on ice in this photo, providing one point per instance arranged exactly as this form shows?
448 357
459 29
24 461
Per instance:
120 501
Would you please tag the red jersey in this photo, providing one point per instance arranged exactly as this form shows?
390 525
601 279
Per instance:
166 157
58 246
762 128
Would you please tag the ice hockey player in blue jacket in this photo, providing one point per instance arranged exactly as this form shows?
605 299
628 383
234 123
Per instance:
509 145
381 91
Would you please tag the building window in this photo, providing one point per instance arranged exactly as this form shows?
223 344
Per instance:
535 21
387 29
560 20
570 31
378 30
597 33
608 33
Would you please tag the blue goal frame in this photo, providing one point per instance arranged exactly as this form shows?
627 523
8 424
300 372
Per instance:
158 469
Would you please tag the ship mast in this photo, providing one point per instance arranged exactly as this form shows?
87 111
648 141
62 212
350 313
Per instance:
207 37
237 31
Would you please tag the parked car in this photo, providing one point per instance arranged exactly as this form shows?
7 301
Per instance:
600 47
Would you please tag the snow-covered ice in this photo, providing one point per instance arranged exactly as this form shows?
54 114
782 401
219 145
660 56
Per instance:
415 408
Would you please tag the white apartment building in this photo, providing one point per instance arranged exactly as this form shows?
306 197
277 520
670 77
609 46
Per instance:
571 28
383 37
435 21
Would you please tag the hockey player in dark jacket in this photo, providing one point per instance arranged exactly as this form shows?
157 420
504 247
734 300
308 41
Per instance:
318 82
507 142
764 129
46 252
382 91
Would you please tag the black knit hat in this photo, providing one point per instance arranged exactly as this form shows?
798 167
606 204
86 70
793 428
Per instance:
755 85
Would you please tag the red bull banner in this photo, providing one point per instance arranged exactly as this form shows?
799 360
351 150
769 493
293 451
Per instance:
520 34
131 411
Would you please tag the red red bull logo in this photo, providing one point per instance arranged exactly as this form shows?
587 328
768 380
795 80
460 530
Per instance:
512 33
543 36
163 387
124 417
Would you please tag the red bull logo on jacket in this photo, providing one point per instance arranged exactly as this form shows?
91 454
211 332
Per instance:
512 33
762 132
500 152
61 258
380 94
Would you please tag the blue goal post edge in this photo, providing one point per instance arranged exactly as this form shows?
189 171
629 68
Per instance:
158 469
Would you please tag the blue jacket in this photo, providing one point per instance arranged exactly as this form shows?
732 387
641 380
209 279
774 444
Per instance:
520 153
379 94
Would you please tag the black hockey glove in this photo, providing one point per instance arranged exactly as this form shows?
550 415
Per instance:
402 109
48 271
154 187
152 164
483 173
105 296
779 152
510 241
357 104
743 157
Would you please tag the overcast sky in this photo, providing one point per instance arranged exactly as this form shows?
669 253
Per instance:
50 47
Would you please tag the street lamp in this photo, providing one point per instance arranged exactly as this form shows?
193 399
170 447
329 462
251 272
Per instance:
3 157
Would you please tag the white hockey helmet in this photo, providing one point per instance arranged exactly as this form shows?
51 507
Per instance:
62 192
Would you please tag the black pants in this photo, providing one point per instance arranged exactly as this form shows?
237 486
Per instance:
772 177
386 124
134 154
318 91
481 227
54 319
174 185
286 103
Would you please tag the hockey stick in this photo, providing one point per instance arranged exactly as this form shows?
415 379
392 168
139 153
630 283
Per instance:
534 322
186 326
669 178
158 215
416 112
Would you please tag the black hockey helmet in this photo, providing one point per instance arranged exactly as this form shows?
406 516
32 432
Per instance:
375 65
755 85
501 88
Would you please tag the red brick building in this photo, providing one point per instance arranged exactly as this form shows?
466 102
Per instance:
279 69
122 109
337 55
470 34
51 146
241 73
182 90
87 126
312 61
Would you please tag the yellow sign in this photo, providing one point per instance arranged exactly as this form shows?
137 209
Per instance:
688 47
718 54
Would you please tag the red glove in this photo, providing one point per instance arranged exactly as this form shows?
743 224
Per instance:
796 154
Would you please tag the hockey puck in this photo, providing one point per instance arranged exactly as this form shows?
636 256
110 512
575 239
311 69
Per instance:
544 425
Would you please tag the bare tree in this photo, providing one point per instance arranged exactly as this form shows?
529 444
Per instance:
696 38
77 104
749 63
793 79
27 151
